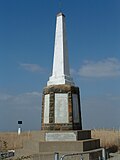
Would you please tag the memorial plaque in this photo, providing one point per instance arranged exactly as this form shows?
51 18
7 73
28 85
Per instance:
62 136
75 108
46 108
61 108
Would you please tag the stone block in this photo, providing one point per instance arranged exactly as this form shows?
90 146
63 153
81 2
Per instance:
67 135
69 146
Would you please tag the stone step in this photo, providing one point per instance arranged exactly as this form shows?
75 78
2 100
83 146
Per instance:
50 156
69 146
67 135
46 150
46 155
93 155
62 146
83 134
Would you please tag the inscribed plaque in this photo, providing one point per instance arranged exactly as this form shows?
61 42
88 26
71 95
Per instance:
62 136
61 108
46 108
75 108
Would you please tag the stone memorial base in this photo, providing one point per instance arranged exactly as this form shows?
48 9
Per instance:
47 143
61 108
71 142
69 146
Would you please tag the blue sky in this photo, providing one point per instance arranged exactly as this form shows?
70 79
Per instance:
27 29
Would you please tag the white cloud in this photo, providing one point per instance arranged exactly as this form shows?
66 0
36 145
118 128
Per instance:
109 67
4 97
25 100
31 67
33 93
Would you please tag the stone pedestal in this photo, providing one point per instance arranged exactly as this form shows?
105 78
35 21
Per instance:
61 108
44 144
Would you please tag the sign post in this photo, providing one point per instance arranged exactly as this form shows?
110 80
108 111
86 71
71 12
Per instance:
19 127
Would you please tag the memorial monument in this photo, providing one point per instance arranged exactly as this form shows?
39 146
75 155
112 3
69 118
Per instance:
61 129
61 110
61 99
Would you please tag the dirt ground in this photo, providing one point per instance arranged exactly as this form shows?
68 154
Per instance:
115 156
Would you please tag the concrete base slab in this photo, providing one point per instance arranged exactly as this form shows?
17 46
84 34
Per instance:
69 146
67 135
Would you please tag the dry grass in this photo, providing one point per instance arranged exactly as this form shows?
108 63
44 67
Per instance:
12 140
108 138
15 141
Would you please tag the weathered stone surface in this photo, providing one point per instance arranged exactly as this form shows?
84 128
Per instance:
67 121
68 135
60 89
64 136
75 108
69 146
46 108
61 108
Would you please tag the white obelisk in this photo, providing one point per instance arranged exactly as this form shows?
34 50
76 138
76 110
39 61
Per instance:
60 72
